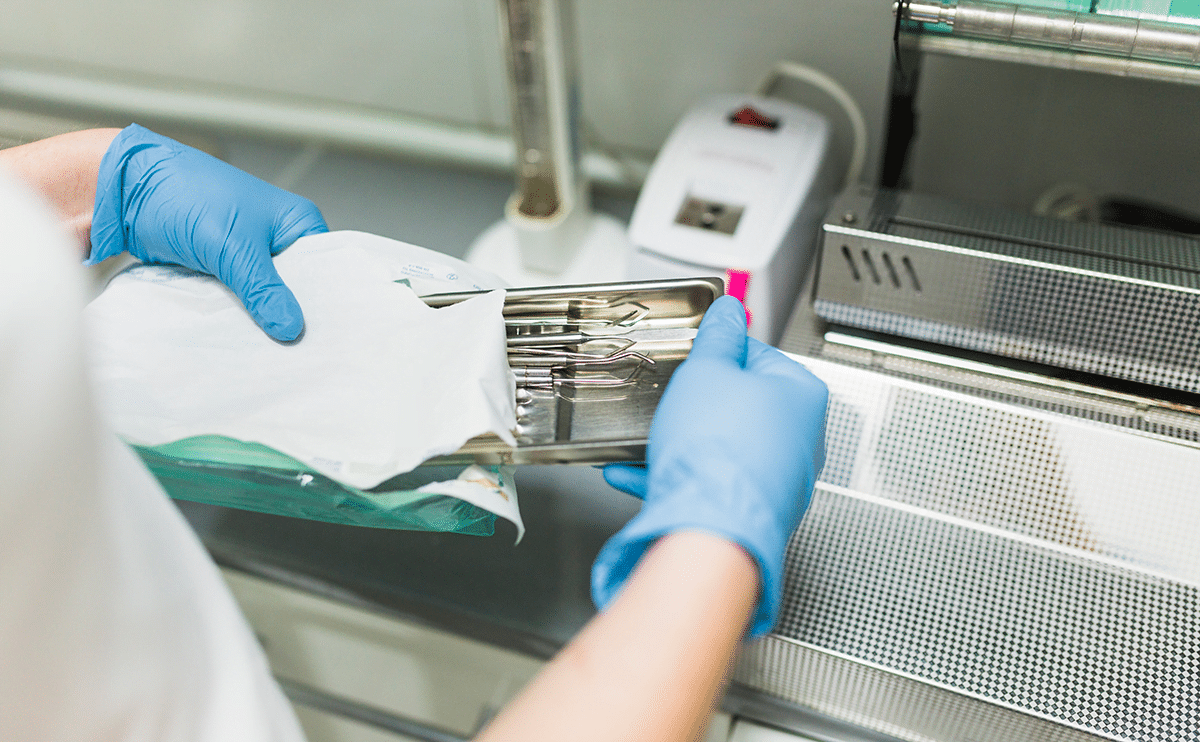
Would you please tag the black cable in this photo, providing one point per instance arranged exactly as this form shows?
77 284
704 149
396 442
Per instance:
901 10
1147 215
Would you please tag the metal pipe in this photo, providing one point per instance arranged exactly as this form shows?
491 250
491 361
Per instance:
538 40
347 125
1110 35
949 44
921 11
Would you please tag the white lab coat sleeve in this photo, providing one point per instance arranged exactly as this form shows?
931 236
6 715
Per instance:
114 622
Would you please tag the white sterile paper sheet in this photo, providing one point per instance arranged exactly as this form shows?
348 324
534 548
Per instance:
378 383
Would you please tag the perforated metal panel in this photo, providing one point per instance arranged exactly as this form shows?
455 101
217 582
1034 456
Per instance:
972 569
1112 301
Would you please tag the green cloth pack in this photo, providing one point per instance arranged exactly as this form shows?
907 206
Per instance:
223 471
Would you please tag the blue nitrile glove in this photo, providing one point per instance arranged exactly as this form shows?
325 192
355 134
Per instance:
166 202
735 449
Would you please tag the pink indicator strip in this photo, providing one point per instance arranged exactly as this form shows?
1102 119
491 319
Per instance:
736 285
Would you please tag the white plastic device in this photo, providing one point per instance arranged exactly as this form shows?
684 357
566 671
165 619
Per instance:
738 191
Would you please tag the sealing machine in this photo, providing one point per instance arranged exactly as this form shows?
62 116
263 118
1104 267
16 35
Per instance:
1003 544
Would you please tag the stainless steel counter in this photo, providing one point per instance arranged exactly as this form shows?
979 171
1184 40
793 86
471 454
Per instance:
531 597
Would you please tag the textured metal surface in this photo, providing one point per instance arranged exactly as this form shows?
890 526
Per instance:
1137 69
973 569
1116 302
1138 48
1022 390
1151 39
591 363
886 702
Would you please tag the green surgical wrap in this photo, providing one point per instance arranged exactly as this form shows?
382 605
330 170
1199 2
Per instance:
248 476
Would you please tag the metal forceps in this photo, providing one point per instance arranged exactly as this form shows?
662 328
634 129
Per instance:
588 341
591 363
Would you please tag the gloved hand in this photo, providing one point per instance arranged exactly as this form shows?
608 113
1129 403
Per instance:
165 202
735 449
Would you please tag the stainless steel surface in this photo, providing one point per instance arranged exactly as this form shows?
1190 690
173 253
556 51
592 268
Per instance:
1121 303
713 216
304 695
992 553
530 598
921 11
1000 383
861 696
741 702
591 363
899 620
977 569
539 50
1108 44
1110 35
1045 57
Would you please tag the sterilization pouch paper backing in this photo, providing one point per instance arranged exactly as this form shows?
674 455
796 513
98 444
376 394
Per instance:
377 384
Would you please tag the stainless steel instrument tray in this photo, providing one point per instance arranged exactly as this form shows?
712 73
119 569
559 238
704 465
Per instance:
591 363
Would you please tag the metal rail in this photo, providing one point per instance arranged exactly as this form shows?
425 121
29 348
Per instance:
314 698
1146 47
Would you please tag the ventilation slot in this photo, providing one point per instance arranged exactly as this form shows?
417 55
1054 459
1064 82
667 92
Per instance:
891 269
850 262
900 276
871 266
912 273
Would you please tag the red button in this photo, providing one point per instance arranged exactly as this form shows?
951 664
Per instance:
750 117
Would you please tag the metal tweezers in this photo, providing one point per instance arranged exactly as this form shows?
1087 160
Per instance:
562 350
